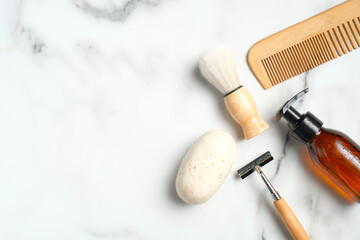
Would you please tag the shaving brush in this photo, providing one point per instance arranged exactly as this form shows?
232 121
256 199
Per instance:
218 67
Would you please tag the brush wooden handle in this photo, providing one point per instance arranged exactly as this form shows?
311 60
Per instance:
293 224
243 109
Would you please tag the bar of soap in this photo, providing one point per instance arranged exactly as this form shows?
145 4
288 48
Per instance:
205 167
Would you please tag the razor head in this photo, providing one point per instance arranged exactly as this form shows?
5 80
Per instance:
260 161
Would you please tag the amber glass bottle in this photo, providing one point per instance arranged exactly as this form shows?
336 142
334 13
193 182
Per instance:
334 153
338 157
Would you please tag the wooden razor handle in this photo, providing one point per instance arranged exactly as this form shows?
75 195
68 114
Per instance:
243 109
291 222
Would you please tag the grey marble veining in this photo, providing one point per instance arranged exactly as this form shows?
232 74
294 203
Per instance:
115 12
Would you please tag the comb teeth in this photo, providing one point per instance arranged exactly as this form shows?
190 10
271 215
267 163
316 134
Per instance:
313 51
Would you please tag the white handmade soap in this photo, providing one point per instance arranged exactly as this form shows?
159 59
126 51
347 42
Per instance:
205 166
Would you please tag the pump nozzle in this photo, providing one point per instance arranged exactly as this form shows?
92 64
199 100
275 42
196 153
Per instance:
302 126
289 103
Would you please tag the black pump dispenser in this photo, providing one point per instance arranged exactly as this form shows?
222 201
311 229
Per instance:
302 126
335 156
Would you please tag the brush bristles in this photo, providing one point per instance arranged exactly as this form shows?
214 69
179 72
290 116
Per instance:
218 67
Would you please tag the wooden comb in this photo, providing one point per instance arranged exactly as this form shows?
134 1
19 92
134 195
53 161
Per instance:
307 44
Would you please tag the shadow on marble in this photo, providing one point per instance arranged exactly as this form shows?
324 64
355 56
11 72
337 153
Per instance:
269 206
172 183
281 127
266 201
220 103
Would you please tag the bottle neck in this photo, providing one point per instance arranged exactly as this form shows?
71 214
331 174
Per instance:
306 128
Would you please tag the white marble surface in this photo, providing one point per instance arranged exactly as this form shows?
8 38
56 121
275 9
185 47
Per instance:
100 100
